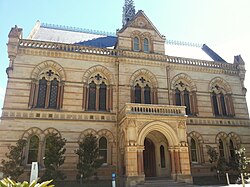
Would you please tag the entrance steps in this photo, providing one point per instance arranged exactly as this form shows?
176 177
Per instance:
162 182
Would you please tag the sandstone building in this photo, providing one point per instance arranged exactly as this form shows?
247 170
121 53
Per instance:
153 109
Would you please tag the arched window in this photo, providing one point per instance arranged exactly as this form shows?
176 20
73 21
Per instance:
92 96
186 101
147 94
103 149
47 91
137 94
162 154
33 149
221 148
193 150
221 101
231 149
223 105
183 96
145 45
53 94
136 45
215 104
177 97
42 89
102 96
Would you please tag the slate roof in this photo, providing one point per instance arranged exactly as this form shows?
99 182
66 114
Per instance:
93 38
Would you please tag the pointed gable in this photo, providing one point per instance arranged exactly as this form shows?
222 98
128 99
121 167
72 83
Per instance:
142 28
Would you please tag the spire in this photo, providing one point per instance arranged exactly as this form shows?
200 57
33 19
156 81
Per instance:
128 11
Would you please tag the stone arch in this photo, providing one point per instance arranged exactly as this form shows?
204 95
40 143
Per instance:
98 69
220 135
107 134
161 127
235 137
86 132
197 136
144 72
32 131
49 65
186 79
221 83
51 130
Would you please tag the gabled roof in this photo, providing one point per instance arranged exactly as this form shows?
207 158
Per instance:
139 14
93 38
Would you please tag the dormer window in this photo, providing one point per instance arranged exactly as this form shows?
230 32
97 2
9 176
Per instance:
145 45
136 44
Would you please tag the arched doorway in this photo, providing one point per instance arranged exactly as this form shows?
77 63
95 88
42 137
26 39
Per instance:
156 156
149 158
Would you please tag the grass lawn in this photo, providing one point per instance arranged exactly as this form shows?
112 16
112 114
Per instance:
96 183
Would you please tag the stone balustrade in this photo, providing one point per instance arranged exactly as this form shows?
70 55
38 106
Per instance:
123 53
150 109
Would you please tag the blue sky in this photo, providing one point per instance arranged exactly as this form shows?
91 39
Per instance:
222 24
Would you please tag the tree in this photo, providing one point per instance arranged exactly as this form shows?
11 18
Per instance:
89 160
54 157
13 166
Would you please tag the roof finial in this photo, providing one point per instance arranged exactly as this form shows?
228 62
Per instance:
128 11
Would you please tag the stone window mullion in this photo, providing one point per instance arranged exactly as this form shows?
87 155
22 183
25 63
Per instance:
36 93
58 95
47 94
108 98
32 94
97 97
142 96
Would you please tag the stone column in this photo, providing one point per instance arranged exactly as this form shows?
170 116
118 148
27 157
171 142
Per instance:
172 157
140 160
131 161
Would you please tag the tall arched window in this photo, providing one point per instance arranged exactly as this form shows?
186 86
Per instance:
221 148
102 96
231 149
46 91
215 104
92 96
186 101
162 154
183 96
103 149
147 95
42 89
53 94
137 93
33 149
193 150
145 45
177 97
136 44
221 101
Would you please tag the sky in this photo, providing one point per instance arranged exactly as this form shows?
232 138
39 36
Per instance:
222 24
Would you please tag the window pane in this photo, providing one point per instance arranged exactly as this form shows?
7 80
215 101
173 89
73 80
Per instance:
102 96
42 93
103 151
221 148
53 94
137 94
136 44
92 96
193 151
162 154
145 45
147 95
33 149
232 149
223 105
215 104
177 97
187 101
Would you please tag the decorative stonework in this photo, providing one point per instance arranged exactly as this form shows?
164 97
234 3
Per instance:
182 125
218 84
101 70
32 131
50 70
185 80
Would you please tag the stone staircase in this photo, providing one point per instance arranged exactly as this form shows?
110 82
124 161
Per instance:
158 182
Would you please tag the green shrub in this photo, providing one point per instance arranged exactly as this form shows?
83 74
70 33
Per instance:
7 182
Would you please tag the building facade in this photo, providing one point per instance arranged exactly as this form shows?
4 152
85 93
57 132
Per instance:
153 112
